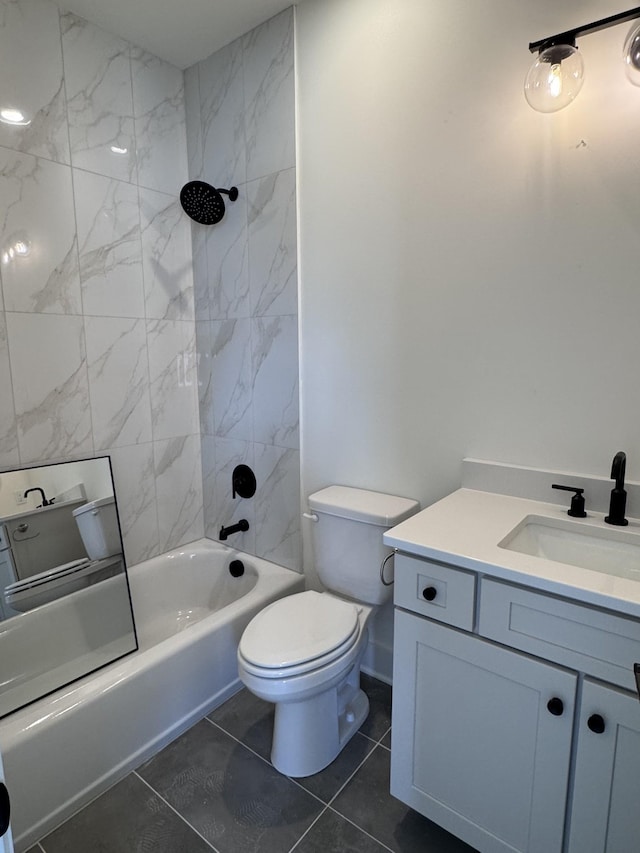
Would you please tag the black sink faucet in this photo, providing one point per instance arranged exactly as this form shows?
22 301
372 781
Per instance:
576 510
618 502
45 502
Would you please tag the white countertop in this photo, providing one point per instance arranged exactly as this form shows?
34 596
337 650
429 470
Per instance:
464 529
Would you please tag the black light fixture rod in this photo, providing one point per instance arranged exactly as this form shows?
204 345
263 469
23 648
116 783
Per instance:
570 36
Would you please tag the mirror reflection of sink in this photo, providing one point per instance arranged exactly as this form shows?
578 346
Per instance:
612 552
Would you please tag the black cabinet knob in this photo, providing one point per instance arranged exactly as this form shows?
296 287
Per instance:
429 592
5 809
555 706
596 724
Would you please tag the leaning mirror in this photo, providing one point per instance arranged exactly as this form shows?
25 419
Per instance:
65 608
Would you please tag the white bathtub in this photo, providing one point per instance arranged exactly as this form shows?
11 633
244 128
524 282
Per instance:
32 665
64 750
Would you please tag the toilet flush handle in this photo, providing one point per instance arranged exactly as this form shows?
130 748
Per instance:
312 516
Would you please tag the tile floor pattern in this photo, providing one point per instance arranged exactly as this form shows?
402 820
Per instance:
214 789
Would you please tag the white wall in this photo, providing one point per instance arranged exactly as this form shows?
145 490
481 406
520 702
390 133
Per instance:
469 267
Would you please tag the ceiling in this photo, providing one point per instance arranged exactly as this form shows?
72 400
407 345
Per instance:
180 31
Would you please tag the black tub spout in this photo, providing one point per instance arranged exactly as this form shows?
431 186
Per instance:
241 527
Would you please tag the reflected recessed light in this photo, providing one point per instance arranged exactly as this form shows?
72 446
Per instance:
17 246
11 116
117 150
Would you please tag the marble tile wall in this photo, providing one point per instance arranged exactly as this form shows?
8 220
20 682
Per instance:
97 333
240 131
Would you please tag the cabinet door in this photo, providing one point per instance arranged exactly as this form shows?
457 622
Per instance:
6 844
475 747
604 815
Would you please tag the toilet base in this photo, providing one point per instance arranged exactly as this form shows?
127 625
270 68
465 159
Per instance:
308 735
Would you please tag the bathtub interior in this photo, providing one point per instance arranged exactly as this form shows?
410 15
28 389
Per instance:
108 723
55 644
176 594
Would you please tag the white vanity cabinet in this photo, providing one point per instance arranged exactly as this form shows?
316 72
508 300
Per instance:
497 692
604 812
475 747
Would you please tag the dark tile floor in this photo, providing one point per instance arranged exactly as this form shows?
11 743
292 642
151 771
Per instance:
214 788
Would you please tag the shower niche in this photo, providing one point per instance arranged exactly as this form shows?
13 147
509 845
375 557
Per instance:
65 608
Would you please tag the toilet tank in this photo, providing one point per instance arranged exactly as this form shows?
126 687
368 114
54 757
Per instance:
98 525
347 539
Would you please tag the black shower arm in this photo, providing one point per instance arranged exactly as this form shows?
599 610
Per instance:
232 193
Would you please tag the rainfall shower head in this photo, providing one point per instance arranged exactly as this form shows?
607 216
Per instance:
204 203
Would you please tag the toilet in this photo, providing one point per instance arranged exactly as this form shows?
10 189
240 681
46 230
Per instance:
97 522
98 525
303 652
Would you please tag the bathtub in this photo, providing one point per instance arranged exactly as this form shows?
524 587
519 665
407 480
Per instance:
64 750
33 666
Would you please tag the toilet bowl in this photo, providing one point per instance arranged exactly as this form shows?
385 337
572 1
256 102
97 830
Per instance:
303 652
314 681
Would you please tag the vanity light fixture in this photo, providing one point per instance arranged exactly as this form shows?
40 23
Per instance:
556 76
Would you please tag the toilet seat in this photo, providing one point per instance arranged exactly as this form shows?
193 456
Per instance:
39 589
49 576
297 634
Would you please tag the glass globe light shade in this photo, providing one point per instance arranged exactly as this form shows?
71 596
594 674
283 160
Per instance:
554 79
631 55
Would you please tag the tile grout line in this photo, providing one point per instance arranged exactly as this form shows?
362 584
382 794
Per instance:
327 805
175 811
308 829
350 777
265 760
331 800
349 820
293 779
380 739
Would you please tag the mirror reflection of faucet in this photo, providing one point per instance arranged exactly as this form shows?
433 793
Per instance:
45 502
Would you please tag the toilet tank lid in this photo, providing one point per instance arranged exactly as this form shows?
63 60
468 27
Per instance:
363 505
109 499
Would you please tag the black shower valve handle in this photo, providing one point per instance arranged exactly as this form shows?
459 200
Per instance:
243 482
576 510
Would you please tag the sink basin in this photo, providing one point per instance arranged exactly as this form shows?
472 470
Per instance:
613 552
